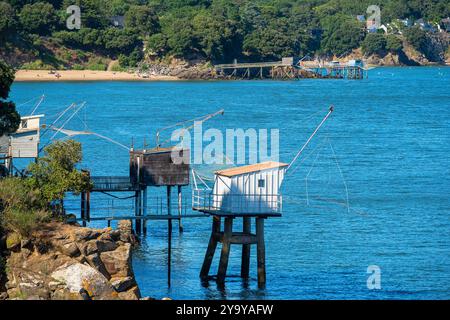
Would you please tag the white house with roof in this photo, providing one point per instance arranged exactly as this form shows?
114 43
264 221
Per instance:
24 143
251 189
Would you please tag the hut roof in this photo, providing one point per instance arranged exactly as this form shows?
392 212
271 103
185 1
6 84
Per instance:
250 168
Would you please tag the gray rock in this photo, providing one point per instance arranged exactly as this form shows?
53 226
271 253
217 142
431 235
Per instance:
122 284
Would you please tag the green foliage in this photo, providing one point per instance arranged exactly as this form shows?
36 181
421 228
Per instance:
130 60
55 173
9 117
8 19
22 207
393 43
120 40
6 79
97 64
341 34
26 201
39 17
37 64
216 30
142 19
157 43
417 38
374 43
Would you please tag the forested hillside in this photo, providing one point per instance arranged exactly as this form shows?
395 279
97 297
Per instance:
33 34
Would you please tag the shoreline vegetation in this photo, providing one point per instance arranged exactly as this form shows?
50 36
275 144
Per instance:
125 35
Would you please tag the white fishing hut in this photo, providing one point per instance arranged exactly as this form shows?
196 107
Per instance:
25 141
251 189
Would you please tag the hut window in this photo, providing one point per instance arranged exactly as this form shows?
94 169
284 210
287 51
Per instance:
261 183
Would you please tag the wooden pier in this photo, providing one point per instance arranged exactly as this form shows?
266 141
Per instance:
291 68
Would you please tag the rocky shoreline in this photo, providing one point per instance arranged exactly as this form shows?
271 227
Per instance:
63 261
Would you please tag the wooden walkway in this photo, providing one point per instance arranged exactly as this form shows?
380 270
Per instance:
285 70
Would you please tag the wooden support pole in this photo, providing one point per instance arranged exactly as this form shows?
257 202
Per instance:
245 266
224 255
83 208
137 210
261 252
180 208
88 206
212 245
144 207
169 238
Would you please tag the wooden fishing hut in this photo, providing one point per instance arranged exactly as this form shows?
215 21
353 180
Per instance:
159 167
251 191
246 192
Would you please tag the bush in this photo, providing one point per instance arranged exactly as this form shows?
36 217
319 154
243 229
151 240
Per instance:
39 17
23 207
393 43
417 38
26 202
374 43
37 65
97 64
24 222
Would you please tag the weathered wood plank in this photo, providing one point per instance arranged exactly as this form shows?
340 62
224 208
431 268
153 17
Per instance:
224 255
212 245
261 252
245 264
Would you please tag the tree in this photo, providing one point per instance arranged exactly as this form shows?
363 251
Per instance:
393 43
120 40
9 118
341 34
39 17
27 201
417 38
374 43
55 173
7 22
143 19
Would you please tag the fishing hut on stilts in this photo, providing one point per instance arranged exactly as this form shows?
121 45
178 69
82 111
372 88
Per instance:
159 166
250 193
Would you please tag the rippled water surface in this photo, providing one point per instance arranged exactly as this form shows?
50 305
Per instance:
390 137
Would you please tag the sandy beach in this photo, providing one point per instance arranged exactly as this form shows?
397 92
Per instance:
84 75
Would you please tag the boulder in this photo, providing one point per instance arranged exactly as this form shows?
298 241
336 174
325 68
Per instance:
78 277
132 294
13 241
86 234
105 246
122 284
95 262
118 262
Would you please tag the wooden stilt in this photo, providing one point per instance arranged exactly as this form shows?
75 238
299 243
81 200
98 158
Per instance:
224 255
137 210
245 266
212 245
88 206
83 208
144 207
180 199
261 252
169 238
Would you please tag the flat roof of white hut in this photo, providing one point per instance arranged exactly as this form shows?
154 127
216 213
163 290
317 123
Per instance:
252 168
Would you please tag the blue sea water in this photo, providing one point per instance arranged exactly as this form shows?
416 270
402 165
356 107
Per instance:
377 178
